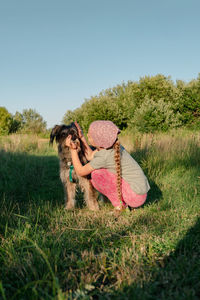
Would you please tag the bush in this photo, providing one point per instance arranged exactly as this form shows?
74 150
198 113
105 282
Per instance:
32 122
189 101
5 121
128 104
111 104
154 116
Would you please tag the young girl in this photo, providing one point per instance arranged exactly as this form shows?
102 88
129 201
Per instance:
113 171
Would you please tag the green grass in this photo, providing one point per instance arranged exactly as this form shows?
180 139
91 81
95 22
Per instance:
49 253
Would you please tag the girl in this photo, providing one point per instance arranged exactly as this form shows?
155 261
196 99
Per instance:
114 172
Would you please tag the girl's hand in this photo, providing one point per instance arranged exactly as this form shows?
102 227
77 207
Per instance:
80 131
69 143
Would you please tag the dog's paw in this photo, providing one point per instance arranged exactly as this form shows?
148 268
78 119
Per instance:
69 207
96 208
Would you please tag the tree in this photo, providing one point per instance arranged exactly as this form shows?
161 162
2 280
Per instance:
17 122
5 121
111 104
32 121
154 116
189 101
130 103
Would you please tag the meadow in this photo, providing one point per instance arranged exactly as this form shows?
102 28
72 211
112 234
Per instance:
152 252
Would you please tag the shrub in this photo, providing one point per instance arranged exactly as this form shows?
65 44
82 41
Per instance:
153 116
32 122
120 103
189 101
5 121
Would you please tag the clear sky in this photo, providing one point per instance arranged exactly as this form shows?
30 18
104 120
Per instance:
54 54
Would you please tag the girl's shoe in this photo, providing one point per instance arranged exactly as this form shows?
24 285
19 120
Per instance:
120 207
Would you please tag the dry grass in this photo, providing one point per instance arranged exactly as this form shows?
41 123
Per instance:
180 138
24 143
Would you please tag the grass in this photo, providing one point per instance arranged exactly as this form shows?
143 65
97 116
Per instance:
49 253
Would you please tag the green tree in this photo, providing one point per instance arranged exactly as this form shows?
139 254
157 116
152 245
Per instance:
5 121
111 104
32 121
189 101
154 116
17 122
126 104
158 87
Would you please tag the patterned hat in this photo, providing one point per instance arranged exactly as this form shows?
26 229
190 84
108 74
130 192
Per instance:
103 133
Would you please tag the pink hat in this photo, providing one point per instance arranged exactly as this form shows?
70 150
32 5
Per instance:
103 133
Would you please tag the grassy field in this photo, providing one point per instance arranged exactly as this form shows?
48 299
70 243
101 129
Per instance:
150 253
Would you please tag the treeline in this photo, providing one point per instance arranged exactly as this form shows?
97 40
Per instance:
153 104
29 121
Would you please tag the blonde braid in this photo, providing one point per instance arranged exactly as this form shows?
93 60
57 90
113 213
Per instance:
116 147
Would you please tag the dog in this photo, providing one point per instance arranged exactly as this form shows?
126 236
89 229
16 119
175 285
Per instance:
68 176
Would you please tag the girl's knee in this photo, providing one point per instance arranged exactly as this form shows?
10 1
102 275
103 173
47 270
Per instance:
137 201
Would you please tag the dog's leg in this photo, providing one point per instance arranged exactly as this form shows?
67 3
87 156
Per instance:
102 199
69 189
70 193
90 195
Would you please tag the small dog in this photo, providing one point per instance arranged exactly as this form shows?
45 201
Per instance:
68 175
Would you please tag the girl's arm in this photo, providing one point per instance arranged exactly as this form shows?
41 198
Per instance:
89 153
79 168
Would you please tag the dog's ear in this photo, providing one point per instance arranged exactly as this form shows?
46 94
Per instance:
73 126
54 132
73 131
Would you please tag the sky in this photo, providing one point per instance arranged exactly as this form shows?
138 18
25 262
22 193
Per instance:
55 54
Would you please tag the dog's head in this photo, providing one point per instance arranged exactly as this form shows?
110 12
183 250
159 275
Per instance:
61 132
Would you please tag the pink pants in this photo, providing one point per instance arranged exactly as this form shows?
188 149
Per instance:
105 182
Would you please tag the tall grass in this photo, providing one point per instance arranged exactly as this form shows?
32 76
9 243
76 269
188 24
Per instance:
49 253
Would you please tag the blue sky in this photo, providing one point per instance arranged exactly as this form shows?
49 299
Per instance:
55 54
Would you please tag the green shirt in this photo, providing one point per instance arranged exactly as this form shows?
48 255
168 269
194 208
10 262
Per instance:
130 169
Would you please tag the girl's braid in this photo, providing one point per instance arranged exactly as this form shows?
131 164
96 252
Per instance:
116 147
